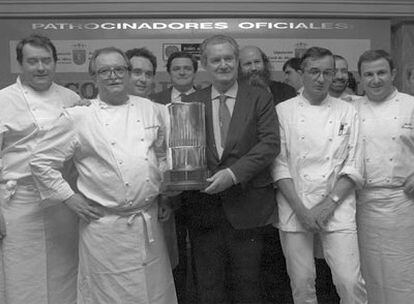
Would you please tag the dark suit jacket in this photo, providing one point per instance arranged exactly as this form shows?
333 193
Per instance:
281 91
163 97
252 145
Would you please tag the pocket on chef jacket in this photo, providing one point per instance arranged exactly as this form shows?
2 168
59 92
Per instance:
151 133
341 137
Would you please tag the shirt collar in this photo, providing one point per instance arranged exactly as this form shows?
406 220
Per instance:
231 92
175 94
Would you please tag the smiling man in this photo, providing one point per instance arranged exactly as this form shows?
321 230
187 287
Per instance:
386 203
316 172
122 252
182 68
143 69
39 248
340 81
225 219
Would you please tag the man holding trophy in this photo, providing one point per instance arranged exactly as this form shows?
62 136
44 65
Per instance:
241 131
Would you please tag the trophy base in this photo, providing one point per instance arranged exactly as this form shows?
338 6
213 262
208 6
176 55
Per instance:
180 180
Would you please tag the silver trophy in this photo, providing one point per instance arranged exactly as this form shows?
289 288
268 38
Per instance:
186 156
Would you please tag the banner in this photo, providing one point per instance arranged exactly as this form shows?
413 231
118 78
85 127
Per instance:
280 39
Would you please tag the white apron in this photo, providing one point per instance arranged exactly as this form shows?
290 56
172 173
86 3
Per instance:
40 249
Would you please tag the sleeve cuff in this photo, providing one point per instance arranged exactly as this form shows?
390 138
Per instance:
354 175
232 176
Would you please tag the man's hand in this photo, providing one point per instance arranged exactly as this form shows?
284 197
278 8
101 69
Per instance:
164 209
308 219
219 182
2 226
83 207
409 185
323 212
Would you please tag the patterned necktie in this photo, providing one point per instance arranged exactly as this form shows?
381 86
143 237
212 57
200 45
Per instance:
224 119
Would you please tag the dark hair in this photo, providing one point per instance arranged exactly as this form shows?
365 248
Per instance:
218 39
314 52
293 62
35 40
373 55
145 53
105 50
182 55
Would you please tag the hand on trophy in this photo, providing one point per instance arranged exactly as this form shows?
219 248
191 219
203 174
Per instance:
220 181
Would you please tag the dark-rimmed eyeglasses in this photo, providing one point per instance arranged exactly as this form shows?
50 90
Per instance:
119 71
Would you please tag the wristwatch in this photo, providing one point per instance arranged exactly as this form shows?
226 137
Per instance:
335 198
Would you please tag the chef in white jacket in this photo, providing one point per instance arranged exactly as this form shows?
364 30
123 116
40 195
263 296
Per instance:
316 173
385 209
113 143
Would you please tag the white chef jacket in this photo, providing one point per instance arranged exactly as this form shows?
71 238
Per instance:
319 143
387 130
113 152
24 114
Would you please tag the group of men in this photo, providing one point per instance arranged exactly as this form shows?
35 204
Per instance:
100 239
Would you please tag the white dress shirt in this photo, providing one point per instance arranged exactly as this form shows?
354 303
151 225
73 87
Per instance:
319 143
230 102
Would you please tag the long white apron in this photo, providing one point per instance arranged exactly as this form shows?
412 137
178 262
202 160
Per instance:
124 260
385 219
39 252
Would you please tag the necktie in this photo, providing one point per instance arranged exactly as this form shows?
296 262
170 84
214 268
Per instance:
224 119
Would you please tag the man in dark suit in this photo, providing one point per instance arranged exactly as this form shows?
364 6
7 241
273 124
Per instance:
182 68
225 219
254 66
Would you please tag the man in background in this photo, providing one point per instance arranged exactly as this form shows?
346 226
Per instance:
182 68
339 86
254 67
291 68
143 69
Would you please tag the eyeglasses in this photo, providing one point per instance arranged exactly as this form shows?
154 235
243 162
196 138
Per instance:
119 71
315 73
